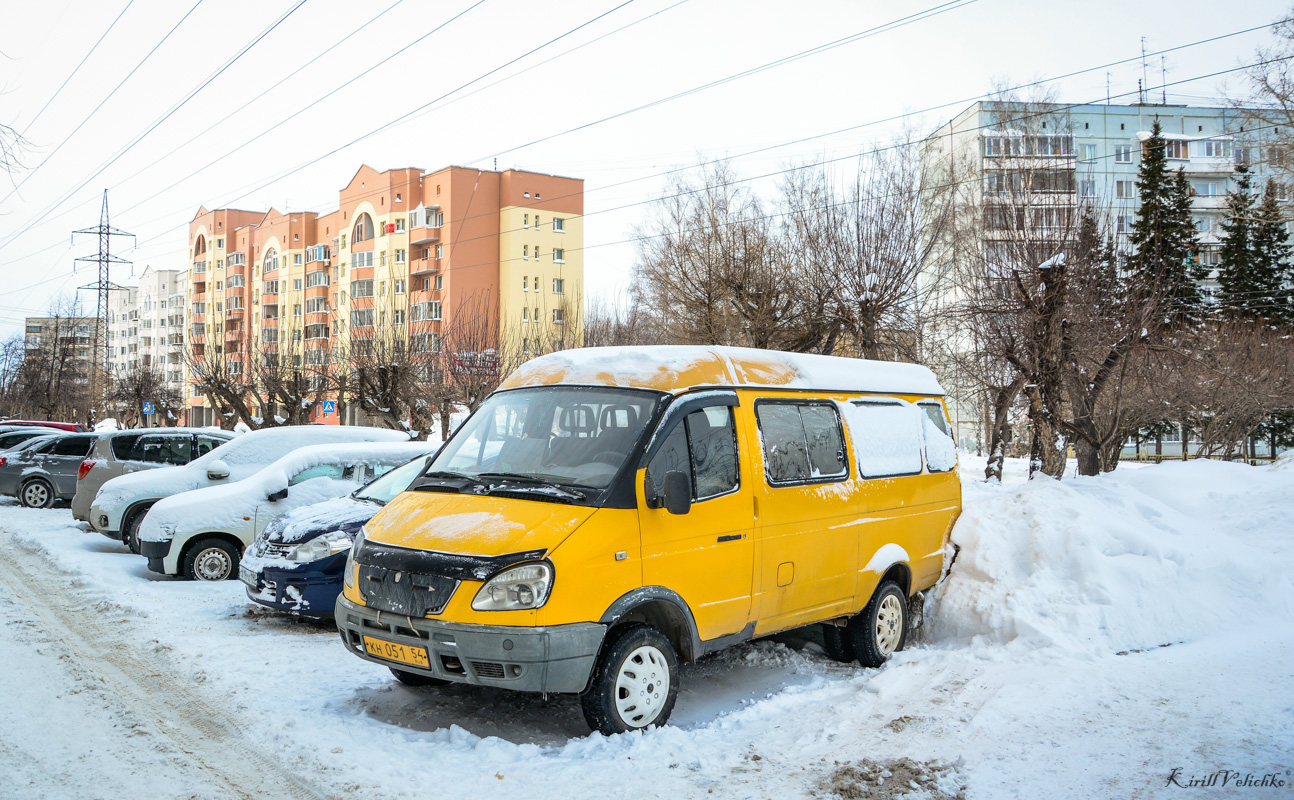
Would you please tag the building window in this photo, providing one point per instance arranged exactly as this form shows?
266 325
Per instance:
363 230
296 259
362 260
361 288
296 284
559 255
525 220
559 225
1087 188
1123 223
426 284
220 244
400 256
525 252
1123 154
1089 152
361 318
1125 190
399 221
433 310
397 316
440 251
317 278
1204 188
440 282
525 283
559 286
559 316
525 313
1214 149
1176 149
399 286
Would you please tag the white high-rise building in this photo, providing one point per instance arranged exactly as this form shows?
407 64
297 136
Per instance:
146 328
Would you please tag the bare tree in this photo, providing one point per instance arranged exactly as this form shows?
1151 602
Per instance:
128 393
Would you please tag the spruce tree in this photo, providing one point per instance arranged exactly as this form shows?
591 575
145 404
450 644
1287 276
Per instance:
1236 270
1163 236
1271 262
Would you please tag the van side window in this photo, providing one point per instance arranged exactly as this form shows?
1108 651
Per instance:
208 443
704 447
122 446
887 437
802 442
941 452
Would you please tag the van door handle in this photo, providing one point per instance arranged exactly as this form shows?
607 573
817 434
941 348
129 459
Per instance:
732 537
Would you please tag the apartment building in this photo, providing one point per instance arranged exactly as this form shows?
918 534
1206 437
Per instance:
1034 166
146 330
406 256
63 350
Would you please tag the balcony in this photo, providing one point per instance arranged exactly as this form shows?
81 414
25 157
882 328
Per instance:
424 235
236 260
199 267
234 313
428 267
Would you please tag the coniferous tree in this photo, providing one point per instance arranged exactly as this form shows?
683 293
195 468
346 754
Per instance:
1236 270
1272 268
1161 265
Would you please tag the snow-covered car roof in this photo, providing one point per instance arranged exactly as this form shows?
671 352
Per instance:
677 368
243 454
231 499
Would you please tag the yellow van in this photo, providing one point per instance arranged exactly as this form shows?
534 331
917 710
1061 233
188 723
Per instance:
611 512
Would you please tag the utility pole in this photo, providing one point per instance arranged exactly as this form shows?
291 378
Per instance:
102 346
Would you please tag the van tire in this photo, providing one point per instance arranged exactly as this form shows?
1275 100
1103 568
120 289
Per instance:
633 656
130 534
838 643
36 493
881 629
414 679
211 559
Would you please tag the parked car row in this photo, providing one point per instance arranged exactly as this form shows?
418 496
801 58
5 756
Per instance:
603 517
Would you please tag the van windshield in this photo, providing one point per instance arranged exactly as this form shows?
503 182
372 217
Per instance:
554 434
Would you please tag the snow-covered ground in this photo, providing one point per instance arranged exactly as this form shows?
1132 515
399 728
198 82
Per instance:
1094 636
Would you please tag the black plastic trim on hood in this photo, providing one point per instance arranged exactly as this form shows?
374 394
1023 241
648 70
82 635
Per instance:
450 565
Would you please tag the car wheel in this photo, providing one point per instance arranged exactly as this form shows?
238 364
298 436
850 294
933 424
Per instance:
635 681
211 560
37 493
414 679
836 641
881 629
131 537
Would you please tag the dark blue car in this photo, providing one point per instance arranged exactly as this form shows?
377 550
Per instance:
296 563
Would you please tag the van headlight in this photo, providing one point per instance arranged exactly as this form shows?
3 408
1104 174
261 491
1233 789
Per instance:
348 574
516 588
321 547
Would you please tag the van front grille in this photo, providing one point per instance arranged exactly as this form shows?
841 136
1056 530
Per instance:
487 669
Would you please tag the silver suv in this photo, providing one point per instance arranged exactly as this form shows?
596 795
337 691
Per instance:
123 452
46 471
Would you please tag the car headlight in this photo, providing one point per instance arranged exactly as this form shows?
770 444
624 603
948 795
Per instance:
348 574
516 588
321 547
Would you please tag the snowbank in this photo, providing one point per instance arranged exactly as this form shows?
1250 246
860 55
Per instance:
1126 561
106 425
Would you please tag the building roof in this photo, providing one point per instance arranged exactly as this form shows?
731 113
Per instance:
679 368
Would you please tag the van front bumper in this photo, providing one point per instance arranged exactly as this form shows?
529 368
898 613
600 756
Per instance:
557 658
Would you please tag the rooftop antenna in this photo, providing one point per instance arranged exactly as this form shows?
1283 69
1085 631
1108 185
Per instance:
1144 79
1163 80
1107 88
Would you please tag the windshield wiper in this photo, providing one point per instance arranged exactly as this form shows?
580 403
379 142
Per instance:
446 476
520 478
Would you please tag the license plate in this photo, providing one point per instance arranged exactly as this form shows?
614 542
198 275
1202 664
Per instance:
247 576
392 651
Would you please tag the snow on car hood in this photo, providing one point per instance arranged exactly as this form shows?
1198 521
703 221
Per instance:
245 456
227 505
477 525
340 513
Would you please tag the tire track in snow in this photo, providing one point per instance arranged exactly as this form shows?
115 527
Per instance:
213 742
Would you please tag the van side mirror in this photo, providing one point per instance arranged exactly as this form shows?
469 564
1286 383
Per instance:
274 497
677 492
217 470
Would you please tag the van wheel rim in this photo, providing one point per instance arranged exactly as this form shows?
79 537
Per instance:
642 687
212 564
889 624
36 494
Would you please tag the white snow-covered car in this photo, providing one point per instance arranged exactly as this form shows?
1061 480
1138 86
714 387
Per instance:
201 534
121 503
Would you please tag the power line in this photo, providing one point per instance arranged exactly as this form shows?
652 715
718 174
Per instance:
80 64
121 83
176 107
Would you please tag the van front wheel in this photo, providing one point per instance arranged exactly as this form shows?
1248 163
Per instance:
882 629
635 681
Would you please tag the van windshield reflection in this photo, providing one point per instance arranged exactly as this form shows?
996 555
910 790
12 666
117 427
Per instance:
562 436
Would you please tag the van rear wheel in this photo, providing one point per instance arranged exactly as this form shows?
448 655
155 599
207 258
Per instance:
838 644
635 681
881 629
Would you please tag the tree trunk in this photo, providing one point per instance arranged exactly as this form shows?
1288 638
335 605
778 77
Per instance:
1047 450
1003 398
1089 457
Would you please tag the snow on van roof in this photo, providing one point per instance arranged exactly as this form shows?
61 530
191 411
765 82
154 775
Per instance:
676 368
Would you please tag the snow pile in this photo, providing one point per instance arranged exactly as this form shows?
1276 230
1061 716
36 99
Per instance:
887 437
1127 561
679 367
106 425
941 451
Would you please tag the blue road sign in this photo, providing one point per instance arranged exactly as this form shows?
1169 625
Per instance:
148 408
330 407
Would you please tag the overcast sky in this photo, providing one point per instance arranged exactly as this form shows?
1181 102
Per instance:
217 149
